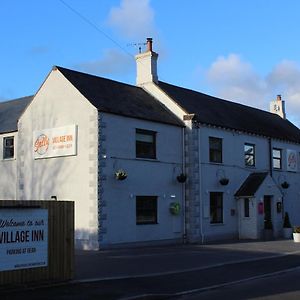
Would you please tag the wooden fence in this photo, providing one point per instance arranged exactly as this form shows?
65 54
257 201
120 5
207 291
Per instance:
60 238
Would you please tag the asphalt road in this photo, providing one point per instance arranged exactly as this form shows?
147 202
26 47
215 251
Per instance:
174 272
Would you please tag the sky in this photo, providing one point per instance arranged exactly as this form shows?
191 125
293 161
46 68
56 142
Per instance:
246 51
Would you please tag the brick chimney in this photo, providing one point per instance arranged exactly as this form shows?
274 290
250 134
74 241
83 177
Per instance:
146 64
278 107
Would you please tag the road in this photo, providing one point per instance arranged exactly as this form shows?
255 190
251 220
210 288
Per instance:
177 272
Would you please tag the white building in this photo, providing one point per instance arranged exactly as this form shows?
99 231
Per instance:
68 141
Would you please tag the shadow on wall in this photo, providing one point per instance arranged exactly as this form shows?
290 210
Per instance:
86 239
8 180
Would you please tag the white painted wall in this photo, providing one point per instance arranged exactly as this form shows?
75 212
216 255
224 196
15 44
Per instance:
234 168
145 177
59 104
8 170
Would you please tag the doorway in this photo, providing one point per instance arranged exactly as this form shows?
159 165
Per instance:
267 211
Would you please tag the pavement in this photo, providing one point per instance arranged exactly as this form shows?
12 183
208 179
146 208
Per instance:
163 272
153 261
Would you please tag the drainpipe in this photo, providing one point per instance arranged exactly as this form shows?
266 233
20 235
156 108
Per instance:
183 188
200 185
270 157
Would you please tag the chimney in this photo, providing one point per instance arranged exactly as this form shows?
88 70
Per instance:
146 64
278 107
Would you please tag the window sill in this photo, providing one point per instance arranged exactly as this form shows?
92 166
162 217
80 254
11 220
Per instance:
9 159
217 224
147 159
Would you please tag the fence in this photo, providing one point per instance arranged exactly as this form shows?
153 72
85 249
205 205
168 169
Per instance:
36 241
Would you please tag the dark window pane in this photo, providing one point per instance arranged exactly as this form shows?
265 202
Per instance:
146 210
246 208
215 149
145 144
216 207
8 147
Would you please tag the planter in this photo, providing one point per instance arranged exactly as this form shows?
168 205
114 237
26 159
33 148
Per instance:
175 208
296 237
181 178
285 185
224 181
287 233
120 175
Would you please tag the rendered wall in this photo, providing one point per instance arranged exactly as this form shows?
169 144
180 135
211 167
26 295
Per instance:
8 171
146 177
59 104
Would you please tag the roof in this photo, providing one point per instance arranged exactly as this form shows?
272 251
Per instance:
119 98
10 112
230 115
251 184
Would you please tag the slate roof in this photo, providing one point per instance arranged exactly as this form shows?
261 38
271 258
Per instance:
10 112
119 98
251 184
226 114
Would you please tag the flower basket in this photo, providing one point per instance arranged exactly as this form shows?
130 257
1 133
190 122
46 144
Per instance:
181 178
121 175
224 181
296 234
285 185
175 208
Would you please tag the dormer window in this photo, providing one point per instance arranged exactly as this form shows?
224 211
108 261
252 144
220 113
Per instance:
8 147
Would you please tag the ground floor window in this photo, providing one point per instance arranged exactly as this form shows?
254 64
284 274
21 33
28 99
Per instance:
146 210
246 208
216 207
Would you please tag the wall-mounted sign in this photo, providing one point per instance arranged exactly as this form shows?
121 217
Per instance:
54 142
23 238
291 156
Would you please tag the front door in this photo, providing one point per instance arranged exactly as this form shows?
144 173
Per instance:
267 211
247 218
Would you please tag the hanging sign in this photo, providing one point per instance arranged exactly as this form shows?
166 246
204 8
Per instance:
291 156
54 142
23 238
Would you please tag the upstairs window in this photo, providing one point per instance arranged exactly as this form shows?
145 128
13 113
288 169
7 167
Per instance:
277 158
8 147
249 152
145 144
215 150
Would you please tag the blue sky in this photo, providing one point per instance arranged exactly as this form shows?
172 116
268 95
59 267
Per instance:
246 51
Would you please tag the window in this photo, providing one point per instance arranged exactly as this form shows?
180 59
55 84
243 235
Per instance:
246 208
145 144
146 210
277 158
216 207
8 147
215 149
249 151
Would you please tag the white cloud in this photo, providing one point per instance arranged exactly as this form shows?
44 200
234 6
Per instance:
113 62
236 80
133 18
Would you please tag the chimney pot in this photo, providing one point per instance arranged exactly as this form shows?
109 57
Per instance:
278 97
149 44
